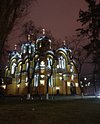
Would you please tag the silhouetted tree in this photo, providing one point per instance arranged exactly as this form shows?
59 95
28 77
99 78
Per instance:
90 20
10 10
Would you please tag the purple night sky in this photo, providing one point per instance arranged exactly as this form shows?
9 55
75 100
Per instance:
58 16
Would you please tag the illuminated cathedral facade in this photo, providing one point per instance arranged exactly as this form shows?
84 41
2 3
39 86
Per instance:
37 69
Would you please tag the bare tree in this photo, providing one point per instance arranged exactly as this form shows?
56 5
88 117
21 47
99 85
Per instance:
90 29
10 10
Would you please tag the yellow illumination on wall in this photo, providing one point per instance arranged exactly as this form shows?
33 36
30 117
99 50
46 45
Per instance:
72 77
42 76
26 84
42 82
42 63
18 85
60 78
57 88
4 87
68 84
42 71
76 84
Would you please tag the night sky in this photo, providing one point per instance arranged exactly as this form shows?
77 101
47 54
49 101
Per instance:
58 16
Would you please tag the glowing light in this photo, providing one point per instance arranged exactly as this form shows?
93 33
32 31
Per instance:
76 84
50 43
13 68
43 31
29 37
57 88
42 76
26 79
71 70
80 82
4 86
85 78
42 82
18 85
72 77
42 63
57 66
88 83
60 78
68 84
2 81
26 84
15 46
64 42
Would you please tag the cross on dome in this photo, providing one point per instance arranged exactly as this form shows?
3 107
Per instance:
64 42
15 46
28 37
43 31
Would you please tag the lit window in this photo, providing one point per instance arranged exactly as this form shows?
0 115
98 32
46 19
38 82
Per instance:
42 82
86 85
85 78
29 49
42 76
49 62
42 63
89 83
27 65
51 81
26 84
18 85
71 68
76 84
57 88
36 80
72 77
13 68
61 62
57 66
4 87
60 78
80 82
24 49
68 84
26 79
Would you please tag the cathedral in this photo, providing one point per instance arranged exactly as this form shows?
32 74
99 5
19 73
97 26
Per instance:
37 69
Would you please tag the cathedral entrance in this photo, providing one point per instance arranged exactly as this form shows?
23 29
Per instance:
72 88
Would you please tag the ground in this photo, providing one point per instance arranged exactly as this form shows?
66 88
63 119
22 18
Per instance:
73 111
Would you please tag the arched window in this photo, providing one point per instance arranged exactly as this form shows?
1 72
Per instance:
37 64
51 81
24 49
71 68
13 68
49 62
29 49
36 80
61 62
27 65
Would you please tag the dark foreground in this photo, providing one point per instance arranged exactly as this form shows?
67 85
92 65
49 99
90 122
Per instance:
16 111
